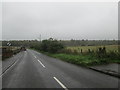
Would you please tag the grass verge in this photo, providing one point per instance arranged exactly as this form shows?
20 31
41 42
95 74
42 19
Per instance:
83 60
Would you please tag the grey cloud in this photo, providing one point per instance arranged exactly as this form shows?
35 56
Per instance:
60 20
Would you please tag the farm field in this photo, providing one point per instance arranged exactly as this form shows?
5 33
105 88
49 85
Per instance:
9 51
109 48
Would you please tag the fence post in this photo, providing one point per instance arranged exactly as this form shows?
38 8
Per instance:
81 51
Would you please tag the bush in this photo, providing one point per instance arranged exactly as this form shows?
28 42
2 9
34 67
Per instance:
35 46
51 46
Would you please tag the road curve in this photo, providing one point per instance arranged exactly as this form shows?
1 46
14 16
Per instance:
35 70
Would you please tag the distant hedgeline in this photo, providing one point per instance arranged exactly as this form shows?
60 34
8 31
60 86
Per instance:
65 42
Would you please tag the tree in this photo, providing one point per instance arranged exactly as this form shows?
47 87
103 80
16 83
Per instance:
51 45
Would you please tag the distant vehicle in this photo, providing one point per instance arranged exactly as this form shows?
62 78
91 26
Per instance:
23 49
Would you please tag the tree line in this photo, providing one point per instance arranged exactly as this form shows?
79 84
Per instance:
29 43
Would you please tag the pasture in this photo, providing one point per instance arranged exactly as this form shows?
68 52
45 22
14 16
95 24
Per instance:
109 48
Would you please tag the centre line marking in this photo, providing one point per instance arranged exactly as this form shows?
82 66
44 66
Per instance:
60 83
35 56
41 63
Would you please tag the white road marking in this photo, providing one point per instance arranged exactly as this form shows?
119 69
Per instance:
60 83
35 56
8 68
41 63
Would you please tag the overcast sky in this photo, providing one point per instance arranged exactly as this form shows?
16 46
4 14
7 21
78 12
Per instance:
27 20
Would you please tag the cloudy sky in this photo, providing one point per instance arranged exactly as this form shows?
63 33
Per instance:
60 20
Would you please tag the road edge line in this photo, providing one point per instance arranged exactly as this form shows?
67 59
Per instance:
8 68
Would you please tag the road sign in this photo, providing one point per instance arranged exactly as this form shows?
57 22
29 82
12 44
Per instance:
8 44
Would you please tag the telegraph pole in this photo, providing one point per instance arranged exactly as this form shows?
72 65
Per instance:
40 37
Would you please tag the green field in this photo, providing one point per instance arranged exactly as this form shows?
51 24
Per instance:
109 48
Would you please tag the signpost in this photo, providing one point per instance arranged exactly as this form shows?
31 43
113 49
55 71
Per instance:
9 44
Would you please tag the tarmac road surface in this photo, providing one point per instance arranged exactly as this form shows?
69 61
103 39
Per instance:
36 70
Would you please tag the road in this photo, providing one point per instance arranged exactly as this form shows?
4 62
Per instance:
35 70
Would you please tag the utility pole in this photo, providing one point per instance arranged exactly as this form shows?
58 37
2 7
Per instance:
40 37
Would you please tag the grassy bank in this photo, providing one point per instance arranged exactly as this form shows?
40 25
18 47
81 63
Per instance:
85 60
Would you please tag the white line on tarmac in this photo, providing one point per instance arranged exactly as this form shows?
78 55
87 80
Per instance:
35 57
41 63
63 86
8 68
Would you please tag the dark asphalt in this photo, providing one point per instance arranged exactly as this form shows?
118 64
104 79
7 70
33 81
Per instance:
28 72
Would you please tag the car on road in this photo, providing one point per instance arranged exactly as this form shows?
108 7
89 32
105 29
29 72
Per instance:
23 49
